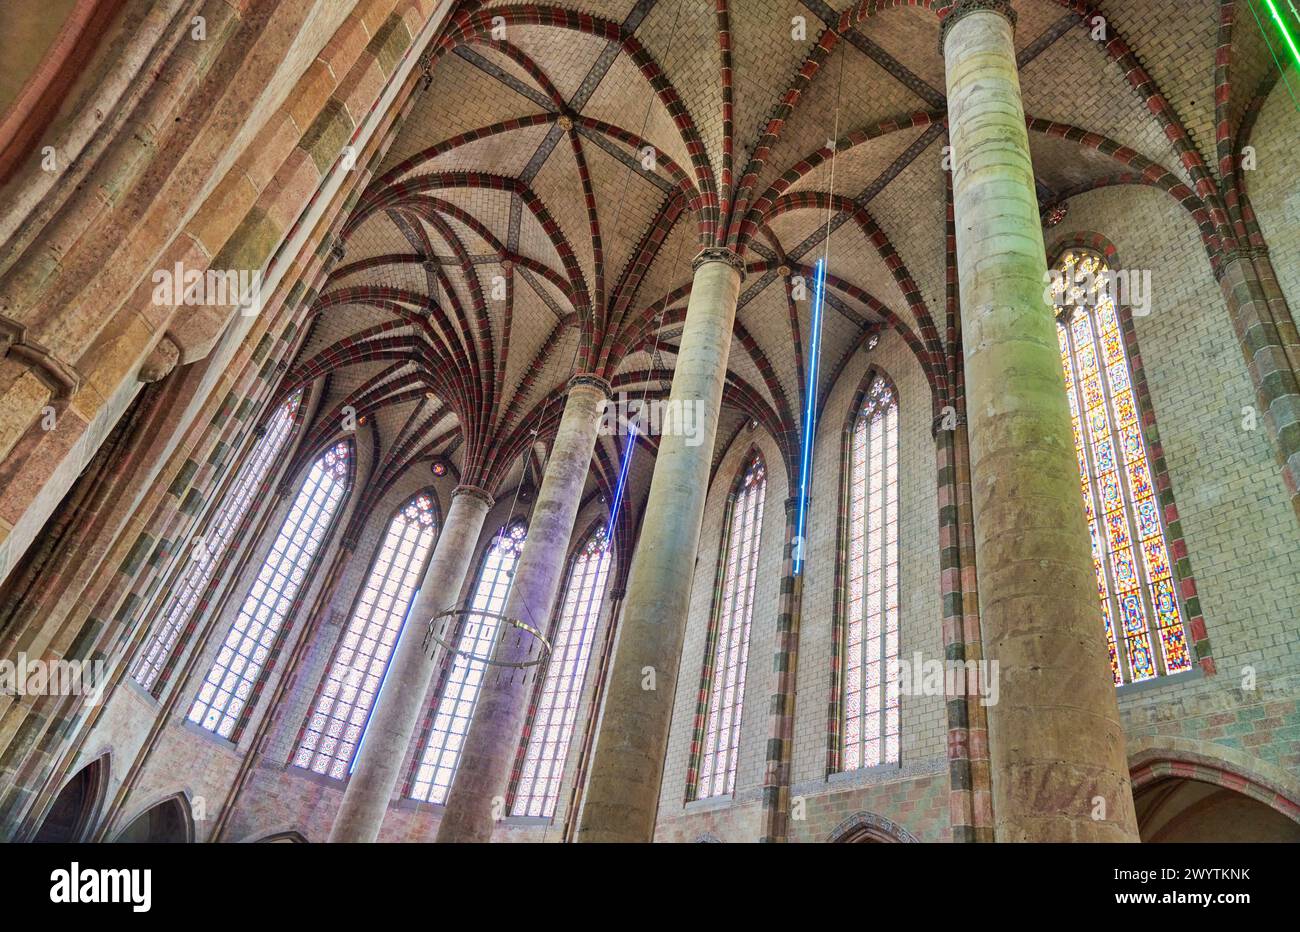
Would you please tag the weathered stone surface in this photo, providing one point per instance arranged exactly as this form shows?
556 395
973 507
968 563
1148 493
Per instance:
1055 737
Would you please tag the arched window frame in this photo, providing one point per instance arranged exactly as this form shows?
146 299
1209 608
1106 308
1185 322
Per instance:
194 584
548 799
430 791
1185 598
729 752
311 752
344 449
838 761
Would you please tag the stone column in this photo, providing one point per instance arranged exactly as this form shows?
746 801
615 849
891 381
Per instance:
952 578
780 708
494 733
627 761
1283 318
1262 322
397 712
1055 738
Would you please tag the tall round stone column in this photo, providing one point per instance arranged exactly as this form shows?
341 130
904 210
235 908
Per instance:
397 712
1057 748
627 761
479 787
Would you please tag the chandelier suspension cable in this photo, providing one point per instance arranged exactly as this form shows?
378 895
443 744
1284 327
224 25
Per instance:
615 506
1287 39
814 347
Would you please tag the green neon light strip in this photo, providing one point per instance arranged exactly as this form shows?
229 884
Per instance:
1286 30
1282 70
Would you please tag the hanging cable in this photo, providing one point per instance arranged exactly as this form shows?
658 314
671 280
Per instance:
620 486
615 506
541 418
814 351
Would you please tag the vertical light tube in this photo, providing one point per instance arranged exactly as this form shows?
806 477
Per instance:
617 504
810 412
1282 26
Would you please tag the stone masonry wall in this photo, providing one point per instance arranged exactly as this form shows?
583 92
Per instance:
913 794
1243 545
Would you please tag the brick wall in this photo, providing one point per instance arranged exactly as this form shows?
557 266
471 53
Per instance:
1239 529
184 757
913 794
280 797
762 644
1241 534
1272 187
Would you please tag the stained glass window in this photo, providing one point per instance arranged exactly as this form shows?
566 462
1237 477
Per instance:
333 731
233 676
451 718
557 706
1139 602
729 638
206 552
870 735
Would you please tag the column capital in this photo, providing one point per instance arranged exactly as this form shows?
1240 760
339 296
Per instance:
719 254
61 379
595 381
1238 254
160 362
960 9
474 491
792 505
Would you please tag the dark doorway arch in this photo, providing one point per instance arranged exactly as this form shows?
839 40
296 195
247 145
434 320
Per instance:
75 809
167 822
867 827
1180 809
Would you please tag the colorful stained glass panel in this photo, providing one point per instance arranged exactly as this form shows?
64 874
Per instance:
1116 479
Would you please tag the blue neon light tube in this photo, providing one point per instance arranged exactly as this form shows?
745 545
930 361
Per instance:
810 413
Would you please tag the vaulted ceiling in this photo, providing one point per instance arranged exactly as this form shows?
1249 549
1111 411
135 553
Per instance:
538 213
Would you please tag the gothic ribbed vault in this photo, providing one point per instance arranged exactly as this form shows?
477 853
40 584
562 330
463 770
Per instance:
539 211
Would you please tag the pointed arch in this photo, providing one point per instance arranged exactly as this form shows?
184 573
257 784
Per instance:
233 681
169 821
291 837
335 728
209 552
1142 604
553 712
869 827
865 703
715 742
463 674
75 810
